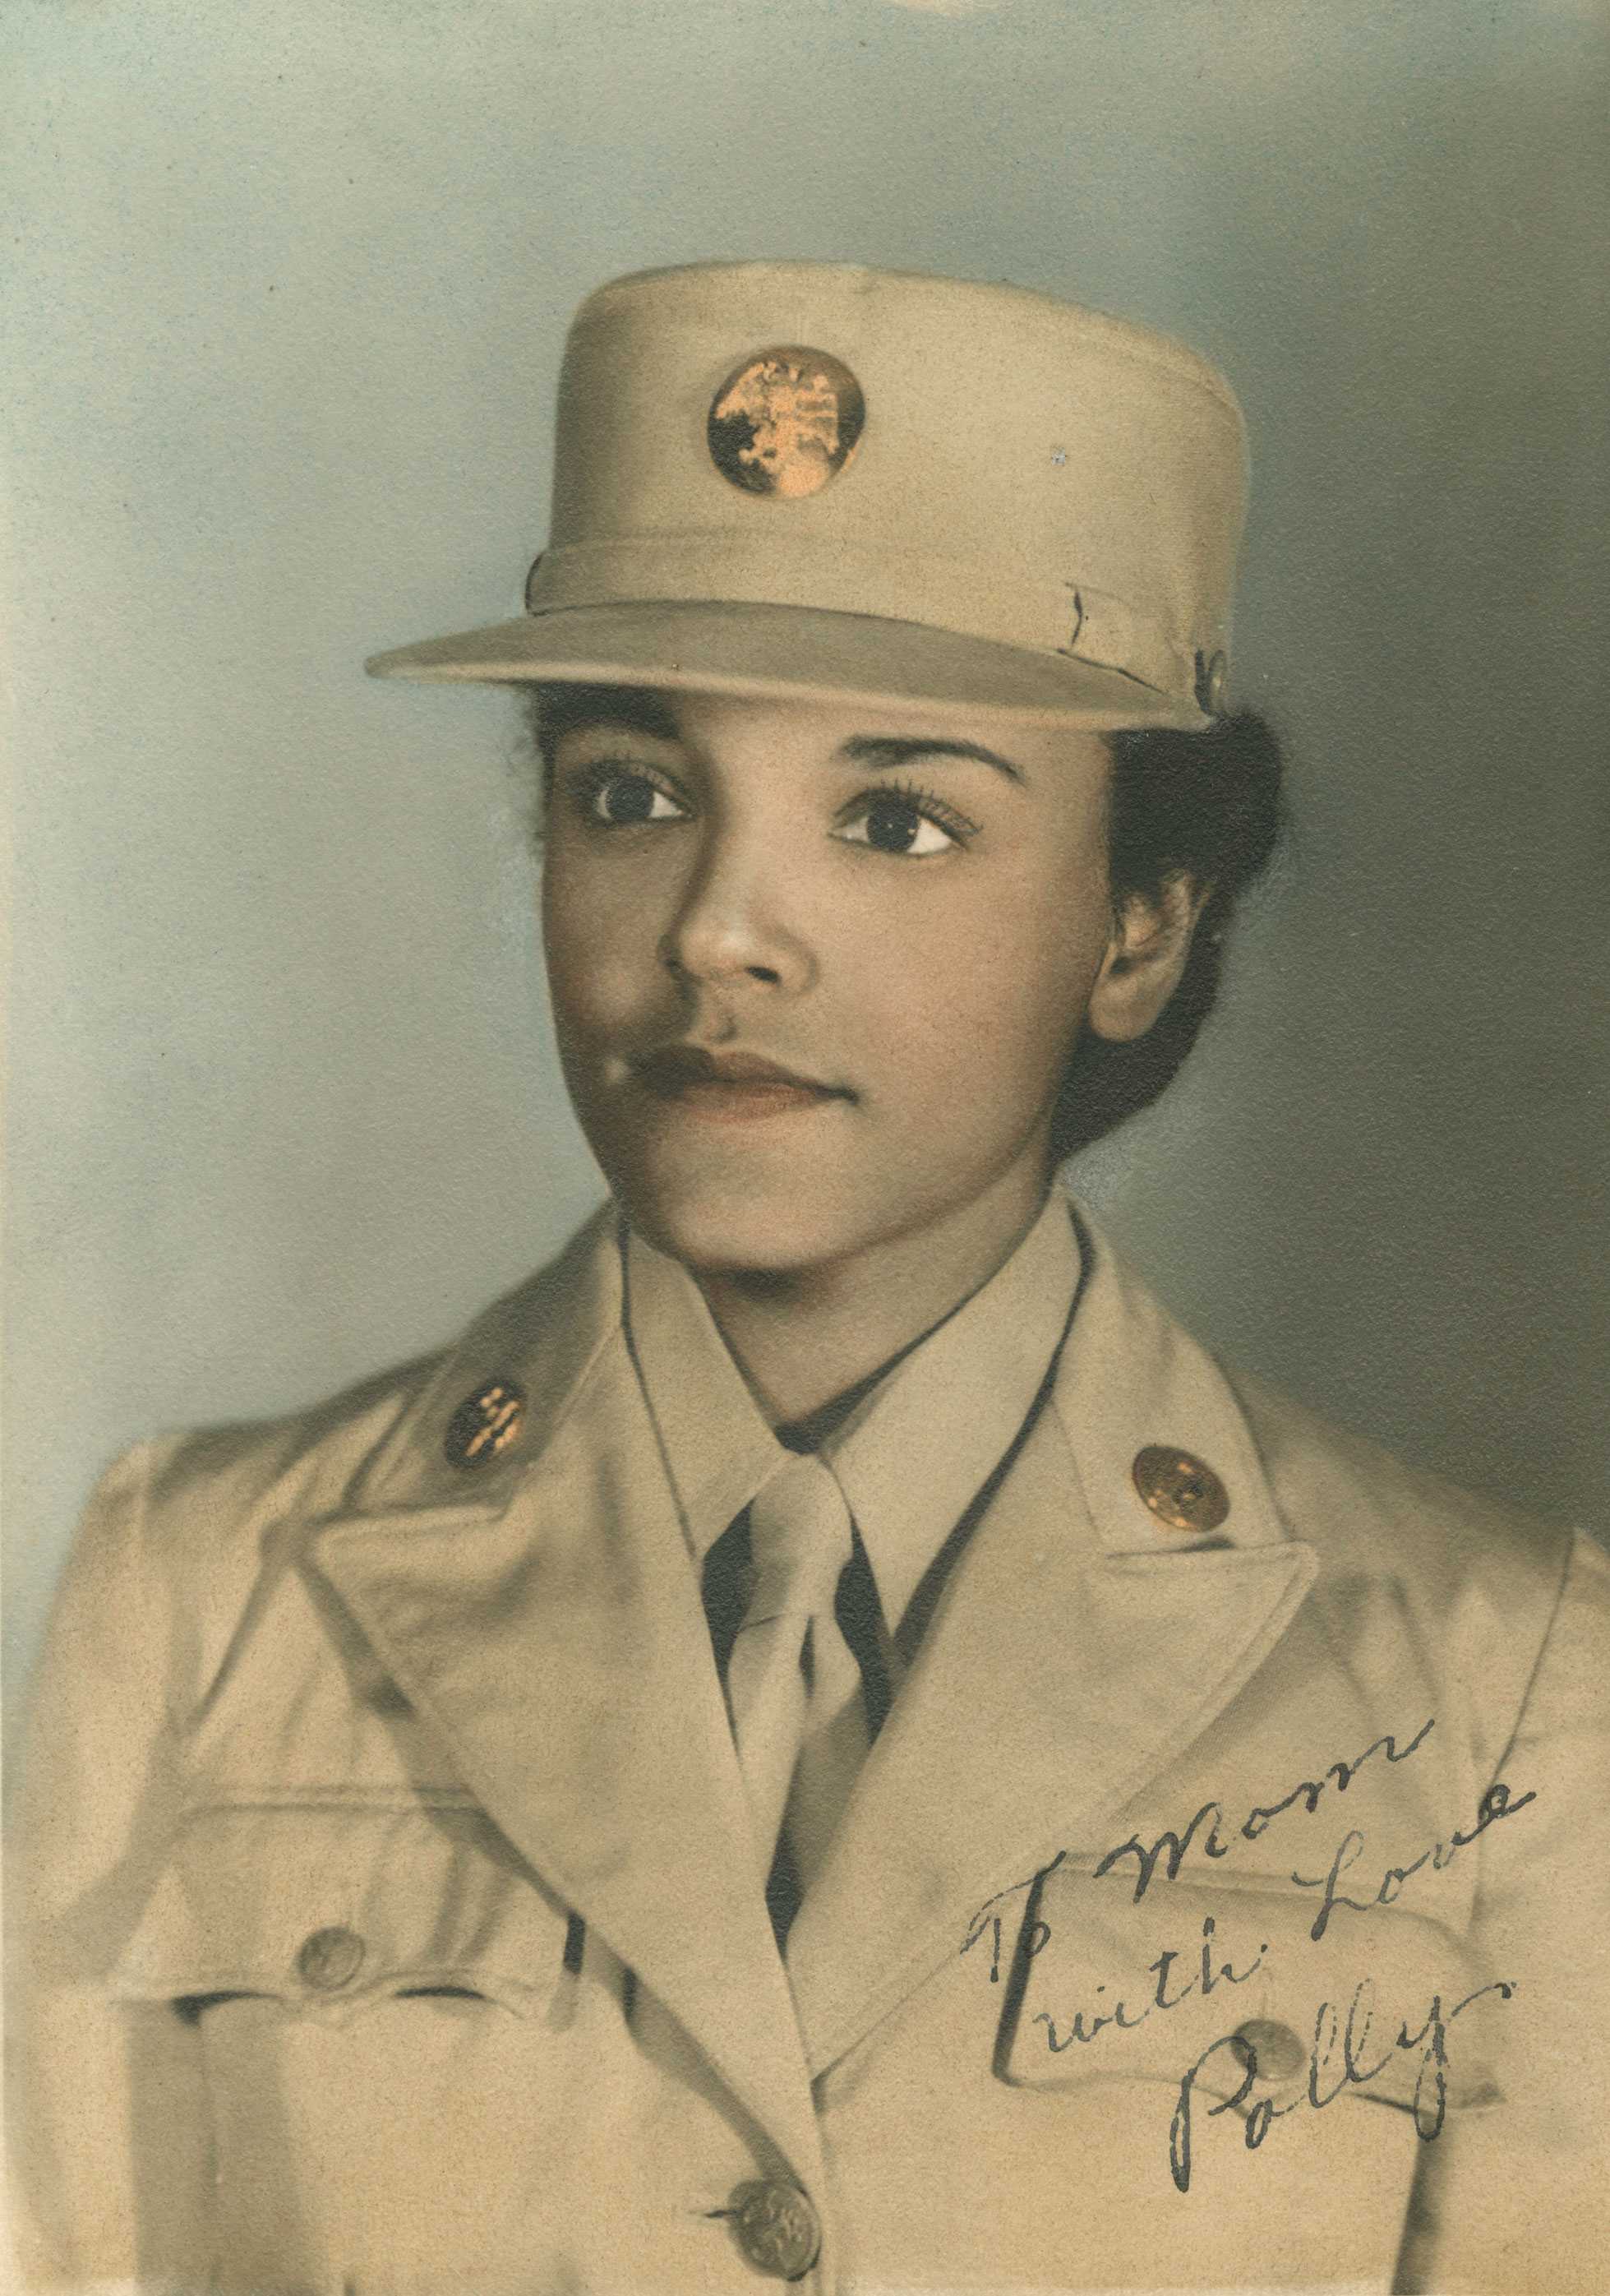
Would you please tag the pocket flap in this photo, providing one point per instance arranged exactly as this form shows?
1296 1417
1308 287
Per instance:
1391 2005
326 1906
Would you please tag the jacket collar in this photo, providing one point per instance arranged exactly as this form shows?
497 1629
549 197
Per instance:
1079 1647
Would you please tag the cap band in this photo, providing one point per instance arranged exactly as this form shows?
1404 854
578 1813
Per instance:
994 600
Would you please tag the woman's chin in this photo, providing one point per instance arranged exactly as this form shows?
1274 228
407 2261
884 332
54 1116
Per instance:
791 1217
724 1223
714 1234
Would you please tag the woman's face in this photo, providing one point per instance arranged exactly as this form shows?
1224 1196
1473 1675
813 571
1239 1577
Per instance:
816 969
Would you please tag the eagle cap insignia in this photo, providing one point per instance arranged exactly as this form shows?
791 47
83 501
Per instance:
785 422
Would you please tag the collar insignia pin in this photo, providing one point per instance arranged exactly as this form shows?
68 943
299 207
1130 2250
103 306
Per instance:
485 1425
1180 1490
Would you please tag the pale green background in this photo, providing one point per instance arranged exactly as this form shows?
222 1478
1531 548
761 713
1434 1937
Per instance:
289 281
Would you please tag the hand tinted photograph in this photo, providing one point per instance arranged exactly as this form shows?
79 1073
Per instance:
807 1178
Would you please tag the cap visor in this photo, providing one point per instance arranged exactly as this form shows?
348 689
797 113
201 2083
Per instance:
791 652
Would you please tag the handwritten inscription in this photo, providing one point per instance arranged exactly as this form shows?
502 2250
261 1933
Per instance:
1170 1848
1495 1804
1034 1936
1338 2060
1351 2047
1085 2025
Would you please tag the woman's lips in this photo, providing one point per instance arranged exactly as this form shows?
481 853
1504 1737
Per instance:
732 1087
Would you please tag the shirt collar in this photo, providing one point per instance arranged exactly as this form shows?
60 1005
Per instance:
916 1451
717 1447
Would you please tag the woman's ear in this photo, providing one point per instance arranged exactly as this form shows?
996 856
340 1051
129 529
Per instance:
1145 958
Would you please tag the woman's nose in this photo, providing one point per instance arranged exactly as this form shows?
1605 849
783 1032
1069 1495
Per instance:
738 920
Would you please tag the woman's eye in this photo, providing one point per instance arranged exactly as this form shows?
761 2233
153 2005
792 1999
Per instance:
622 798
891 824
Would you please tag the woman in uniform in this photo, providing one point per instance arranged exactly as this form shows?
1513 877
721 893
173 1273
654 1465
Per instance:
825 1739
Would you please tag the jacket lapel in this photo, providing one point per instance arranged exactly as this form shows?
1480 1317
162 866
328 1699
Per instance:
1080 1649
556 1639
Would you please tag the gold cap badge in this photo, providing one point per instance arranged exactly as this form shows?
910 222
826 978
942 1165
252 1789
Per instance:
785 422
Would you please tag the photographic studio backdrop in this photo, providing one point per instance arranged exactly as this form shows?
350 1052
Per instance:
287 291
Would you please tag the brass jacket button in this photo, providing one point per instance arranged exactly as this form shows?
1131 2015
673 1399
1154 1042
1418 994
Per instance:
777 2228
1270 2051
485 1424
330 1958
1180 1490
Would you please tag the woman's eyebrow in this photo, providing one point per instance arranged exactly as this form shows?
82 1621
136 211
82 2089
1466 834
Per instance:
898 750
618 709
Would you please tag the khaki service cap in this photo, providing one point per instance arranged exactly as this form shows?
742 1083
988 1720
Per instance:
814 479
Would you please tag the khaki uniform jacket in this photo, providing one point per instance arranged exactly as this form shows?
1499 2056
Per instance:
386 1915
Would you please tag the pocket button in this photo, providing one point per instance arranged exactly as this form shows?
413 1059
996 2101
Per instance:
330 1958
1273 2051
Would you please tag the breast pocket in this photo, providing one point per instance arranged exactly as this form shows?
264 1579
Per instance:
385 2011
328 1910
1234 1977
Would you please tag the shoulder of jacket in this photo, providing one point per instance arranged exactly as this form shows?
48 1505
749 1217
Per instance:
194 1527
211 1487
1136 1376
174 1531
1360 1506
231 1465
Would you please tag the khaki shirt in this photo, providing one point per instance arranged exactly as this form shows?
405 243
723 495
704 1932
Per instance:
910 1459
1216 1908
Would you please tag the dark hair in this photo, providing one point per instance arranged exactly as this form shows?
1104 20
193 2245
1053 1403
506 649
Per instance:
1204 806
